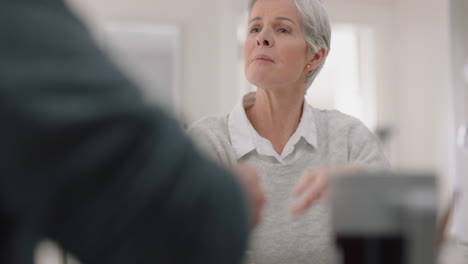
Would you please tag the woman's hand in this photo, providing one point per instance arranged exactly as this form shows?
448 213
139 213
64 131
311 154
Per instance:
314 184
249 180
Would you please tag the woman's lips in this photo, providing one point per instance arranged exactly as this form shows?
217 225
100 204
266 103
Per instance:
263 58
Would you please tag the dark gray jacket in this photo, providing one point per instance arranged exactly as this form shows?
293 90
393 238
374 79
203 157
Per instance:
85 162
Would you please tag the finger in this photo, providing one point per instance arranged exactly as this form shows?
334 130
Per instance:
244 170
260 206
256 198
307 179
306 203
313 195
247 175
324 197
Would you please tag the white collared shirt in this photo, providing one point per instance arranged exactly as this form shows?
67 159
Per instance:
245 139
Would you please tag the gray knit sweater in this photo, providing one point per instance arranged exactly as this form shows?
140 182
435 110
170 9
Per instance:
280 238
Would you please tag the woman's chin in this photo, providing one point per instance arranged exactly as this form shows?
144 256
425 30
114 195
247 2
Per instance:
262 79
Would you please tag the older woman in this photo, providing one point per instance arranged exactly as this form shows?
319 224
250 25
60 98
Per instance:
287 141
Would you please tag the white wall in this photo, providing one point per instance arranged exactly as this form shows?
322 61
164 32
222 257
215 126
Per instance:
380 15
460 84
423 89
414 92
209 51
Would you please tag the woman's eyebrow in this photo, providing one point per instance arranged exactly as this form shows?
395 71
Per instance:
285 18
276 18
255 19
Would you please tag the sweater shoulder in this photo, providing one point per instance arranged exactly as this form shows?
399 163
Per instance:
344 132
211 136
333 124
336 120
210 127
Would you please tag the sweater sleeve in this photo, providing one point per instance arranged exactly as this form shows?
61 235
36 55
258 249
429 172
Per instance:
85 162
364 148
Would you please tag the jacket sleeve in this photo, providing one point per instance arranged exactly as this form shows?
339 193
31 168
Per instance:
85 162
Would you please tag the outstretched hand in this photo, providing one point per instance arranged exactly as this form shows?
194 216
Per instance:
313 185
249 180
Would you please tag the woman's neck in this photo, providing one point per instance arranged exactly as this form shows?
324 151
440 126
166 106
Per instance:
276 115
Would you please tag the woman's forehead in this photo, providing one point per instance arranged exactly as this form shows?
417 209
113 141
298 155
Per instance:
267 9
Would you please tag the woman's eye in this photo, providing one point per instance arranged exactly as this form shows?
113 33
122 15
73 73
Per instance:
283 30
254 30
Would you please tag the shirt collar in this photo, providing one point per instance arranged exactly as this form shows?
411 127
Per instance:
241 130
307 128
244 137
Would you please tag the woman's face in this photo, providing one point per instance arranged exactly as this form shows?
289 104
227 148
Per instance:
275 52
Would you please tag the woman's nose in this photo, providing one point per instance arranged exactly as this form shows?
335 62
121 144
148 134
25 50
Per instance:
265 42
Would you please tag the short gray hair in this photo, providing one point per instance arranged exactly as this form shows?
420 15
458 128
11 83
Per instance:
316 29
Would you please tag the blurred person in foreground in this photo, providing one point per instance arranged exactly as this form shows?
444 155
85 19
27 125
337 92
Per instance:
85 162
292 145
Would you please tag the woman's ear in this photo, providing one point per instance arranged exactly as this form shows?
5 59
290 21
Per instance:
316 59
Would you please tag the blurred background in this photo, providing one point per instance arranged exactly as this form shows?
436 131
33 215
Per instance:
401 66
